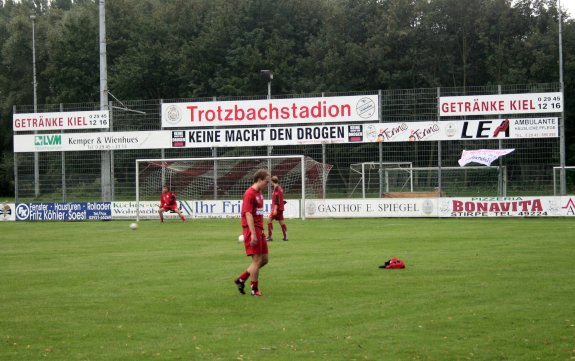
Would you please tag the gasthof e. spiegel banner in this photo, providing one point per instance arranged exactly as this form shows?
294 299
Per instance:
362 108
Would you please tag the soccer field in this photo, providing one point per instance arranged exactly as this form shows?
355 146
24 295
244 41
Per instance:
473 289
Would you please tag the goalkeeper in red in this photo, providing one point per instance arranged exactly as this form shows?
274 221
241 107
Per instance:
277 212
255 241
169 203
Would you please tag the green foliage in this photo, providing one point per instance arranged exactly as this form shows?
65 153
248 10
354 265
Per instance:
477 289
203 48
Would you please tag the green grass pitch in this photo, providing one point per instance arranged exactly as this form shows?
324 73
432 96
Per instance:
473 289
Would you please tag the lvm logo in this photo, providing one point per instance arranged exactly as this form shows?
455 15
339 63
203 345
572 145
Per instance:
44 140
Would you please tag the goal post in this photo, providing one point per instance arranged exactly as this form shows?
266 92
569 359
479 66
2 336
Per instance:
227 178
570 179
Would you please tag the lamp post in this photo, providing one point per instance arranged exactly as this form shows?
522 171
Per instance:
268 75
563 186
35 85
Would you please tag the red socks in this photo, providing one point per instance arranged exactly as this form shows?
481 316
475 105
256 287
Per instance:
244 276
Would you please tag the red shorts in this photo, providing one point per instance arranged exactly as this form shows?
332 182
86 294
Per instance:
278 217
261 246
170 208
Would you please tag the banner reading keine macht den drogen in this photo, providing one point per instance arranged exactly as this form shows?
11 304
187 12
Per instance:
361 108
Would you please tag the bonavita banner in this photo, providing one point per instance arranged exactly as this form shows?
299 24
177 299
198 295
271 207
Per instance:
193 209
292 135
7 212
344 109
507 207
61 121
63 211
526 103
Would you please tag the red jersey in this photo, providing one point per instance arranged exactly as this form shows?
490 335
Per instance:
253 203
168 199
278 198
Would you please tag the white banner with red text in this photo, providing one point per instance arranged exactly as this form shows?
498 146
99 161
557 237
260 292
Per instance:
441 207
344 109
275 136
96 119
526 103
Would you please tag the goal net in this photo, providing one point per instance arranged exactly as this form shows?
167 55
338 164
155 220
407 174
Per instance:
227 178
373 179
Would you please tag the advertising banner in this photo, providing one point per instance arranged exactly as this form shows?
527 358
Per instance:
313 134
63 211
507 207
464 130
526 103
362 108
370 208
91 141
196 209
7 212
441 207
61 121
244 137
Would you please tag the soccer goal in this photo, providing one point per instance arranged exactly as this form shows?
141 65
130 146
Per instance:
569 180
402 177
373 177
227 178
470 181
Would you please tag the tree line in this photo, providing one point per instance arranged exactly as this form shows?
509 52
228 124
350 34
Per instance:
202 48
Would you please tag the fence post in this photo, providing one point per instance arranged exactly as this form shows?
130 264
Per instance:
15 167
438 144
323 160
380 148
500 190
63 166
215 155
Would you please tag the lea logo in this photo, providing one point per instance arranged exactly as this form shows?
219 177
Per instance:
45 140
485 129
570 207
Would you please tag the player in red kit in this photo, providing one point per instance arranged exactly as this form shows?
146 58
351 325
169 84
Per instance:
277 212
255 241
168 203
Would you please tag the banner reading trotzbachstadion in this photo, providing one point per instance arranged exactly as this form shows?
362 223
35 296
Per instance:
363 108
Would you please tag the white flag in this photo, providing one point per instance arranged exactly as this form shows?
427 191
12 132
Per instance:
482 156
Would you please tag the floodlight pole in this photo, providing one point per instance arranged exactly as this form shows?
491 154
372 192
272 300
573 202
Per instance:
106 164
563 188
35 87
269 75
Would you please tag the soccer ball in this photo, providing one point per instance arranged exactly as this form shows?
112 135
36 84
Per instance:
241 238
134 226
